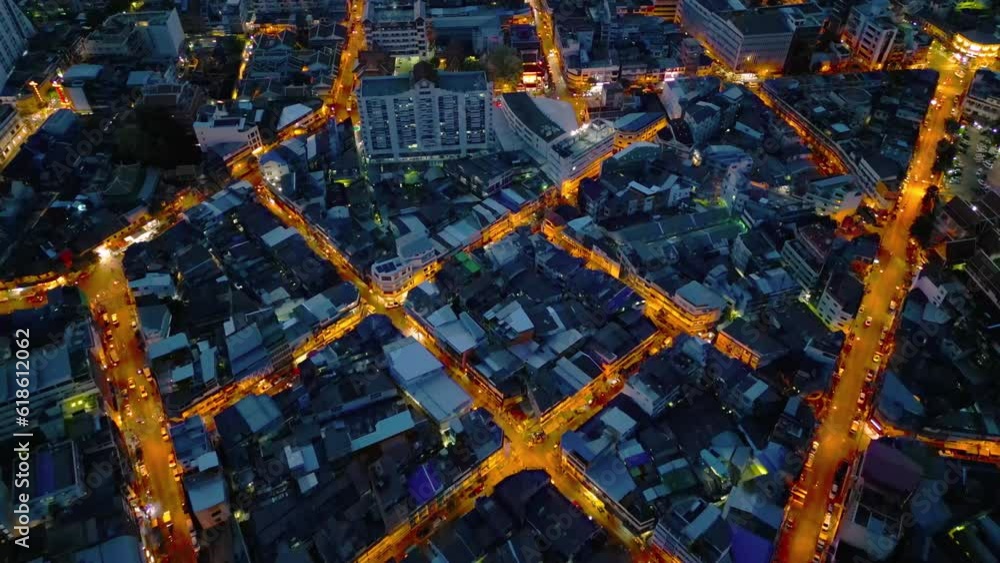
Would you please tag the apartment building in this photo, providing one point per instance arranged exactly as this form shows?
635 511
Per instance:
400 28
15 29
425 116
870 33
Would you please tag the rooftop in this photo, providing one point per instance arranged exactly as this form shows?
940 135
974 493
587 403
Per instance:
526 109
451 81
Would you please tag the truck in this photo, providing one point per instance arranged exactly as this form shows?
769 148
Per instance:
168 522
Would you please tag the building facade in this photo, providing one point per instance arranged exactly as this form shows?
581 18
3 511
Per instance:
870 33
401 29
12 132
15 29
745 40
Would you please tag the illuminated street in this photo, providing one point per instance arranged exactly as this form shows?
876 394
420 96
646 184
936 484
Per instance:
139 418
544 24
891 281
136 407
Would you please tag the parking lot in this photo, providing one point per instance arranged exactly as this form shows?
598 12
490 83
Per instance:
977 153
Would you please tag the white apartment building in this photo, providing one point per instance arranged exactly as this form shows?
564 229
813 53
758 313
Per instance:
226 133
400 28
425 116
551 135
15 29
840 301
154 35
870 33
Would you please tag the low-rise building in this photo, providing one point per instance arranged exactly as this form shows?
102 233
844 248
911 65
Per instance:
156 35
982 101
749 344
228 131
638 127
873 512
840 300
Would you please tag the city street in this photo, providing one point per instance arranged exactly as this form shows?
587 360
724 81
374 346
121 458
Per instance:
531 444
526 450
888 282
139 417
553 56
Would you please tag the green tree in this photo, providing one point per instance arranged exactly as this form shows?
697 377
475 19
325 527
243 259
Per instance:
504 66
922 229
454 54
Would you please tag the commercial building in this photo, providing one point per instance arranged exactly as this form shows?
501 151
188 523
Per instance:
425 116
549 131
145 35
401 29
15 29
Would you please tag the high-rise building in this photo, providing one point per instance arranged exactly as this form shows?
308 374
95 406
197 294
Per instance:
425 116
15 29
399 27
871 33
